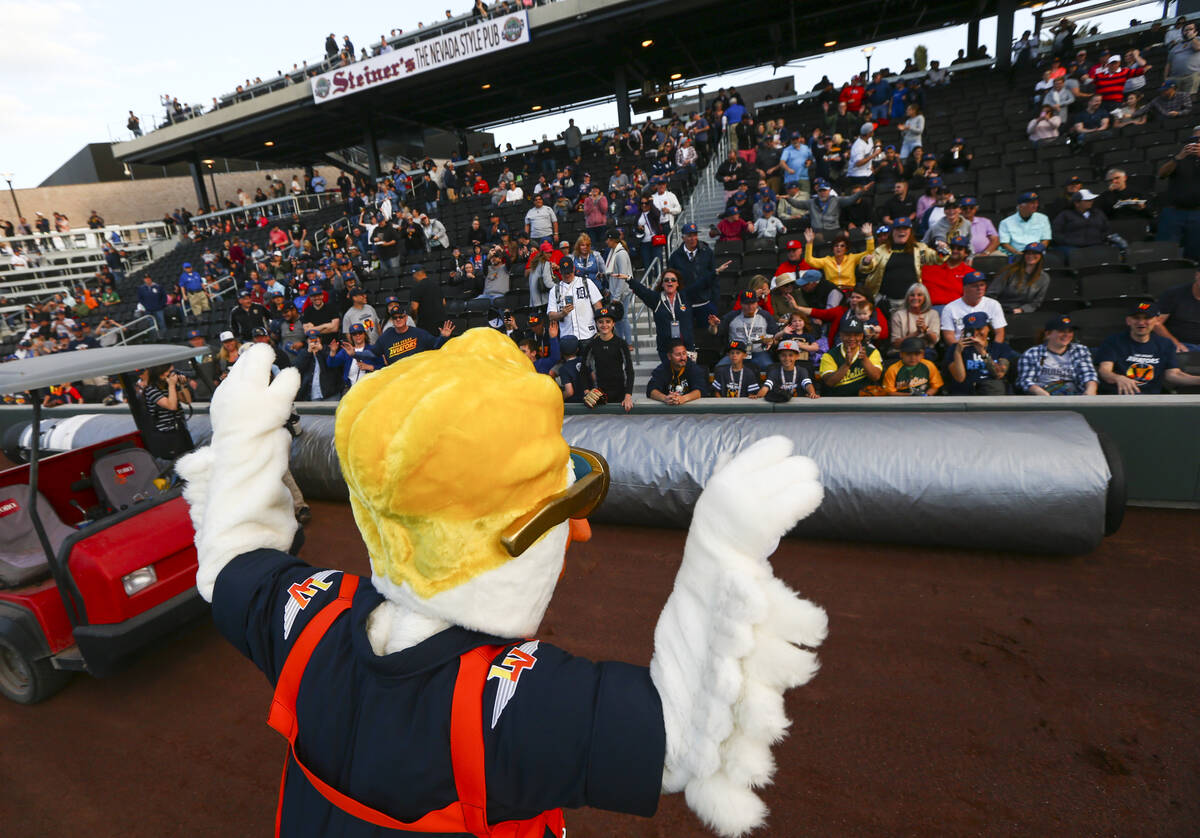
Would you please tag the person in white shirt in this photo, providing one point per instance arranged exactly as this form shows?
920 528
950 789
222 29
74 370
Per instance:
974 287
768 227
862 152
541 223
667 204
573 302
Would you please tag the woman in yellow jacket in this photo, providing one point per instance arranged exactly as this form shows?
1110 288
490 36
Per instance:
841 267
900 244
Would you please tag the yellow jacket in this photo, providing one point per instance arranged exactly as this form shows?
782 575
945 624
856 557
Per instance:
843 275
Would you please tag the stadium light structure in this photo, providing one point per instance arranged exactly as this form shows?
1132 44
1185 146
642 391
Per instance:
8 176
213 180
867 52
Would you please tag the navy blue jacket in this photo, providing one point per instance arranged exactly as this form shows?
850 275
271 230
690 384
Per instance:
565 732
664 316
699 274
152 297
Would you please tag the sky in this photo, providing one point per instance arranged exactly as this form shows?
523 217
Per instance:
74 69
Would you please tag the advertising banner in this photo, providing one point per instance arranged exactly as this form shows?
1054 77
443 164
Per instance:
483 38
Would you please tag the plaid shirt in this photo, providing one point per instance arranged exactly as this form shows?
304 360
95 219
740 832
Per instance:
1078 357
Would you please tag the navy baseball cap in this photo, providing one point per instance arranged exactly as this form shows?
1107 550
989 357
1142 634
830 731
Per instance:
566 265
688 229
934 182
1026 197
568 344
747 297
418 268
243 293
971 277
358 329
258 332
889 148
967 202
960 241
902 222
194 333
1167 85
883 230
535 319
976 319
1061 323
731 211
822 183
738 345
358 291
1145 310
851 327
1035 247
913 344
312 333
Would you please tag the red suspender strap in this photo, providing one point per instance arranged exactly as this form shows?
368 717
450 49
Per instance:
466 736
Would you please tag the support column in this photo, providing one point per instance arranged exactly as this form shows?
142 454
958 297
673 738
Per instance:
371 142
197 171
1005 10
972 37
622 88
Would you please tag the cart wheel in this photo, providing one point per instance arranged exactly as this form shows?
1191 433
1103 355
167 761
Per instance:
24 680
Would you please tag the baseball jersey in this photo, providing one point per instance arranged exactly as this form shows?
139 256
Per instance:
559 731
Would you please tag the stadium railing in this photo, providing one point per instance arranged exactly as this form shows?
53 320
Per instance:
273 208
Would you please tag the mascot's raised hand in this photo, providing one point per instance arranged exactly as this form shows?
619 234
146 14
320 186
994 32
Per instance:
235 484
728 642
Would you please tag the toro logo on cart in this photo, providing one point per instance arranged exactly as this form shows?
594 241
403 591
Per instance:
8 507
123 472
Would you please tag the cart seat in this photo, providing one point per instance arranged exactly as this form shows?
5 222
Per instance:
22 559
124 477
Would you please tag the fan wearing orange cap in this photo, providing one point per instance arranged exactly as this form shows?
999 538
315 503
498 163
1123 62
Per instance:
420 699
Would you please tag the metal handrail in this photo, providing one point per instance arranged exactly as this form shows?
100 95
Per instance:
123 329
640 317
300 204
705 189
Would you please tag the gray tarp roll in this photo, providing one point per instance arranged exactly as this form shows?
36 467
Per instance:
1025 482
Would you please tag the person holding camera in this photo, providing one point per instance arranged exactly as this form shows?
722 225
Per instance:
978 363
1179 220
573 302
165 392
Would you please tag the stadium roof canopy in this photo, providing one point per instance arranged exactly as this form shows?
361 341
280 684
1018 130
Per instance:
578 51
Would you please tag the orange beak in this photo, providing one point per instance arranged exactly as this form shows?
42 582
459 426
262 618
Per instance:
579 530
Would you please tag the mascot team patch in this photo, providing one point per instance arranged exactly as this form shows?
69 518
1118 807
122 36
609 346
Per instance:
301 594
508 673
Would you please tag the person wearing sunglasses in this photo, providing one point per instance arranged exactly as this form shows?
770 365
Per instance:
421 699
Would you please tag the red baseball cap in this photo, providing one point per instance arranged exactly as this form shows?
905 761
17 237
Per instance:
547 247
794 245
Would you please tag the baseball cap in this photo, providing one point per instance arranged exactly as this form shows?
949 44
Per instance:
912 345
792 185
822 183
258 332
243 293
1073 179
738 345
566 265
794 244
851 327
810 275
546 247
1061 323
1144 309
1167 85
418 268
187 264
731 211
747 297
312 333
194 333
793 345
967 202
613 234
1084 195
867 128
975 320
960 241
1026 197
610 312
933 182
902 221
358 291
1116 58
357 329
1035 247
889 147
971 277
226 335
568 344
689 229
535 320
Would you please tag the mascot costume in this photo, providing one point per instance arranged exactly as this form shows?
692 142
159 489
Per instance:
420 700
